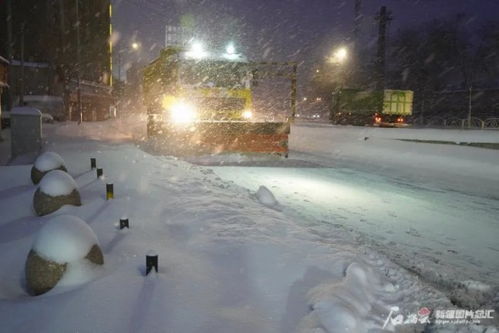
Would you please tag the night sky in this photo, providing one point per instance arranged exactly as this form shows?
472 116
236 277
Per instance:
279 29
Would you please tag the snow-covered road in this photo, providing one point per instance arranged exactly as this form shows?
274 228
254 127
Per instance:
440 220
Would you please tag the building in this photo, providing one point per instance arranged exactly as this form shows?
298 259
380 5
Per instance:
68 62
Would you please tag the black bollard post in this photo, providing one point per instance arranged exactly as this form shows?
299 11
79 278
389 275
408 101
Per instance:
109 191
93 163
100 173
151 262
124 223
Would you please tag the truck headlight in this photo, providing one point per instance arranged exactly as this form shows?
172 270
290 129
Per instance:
247 114
183 112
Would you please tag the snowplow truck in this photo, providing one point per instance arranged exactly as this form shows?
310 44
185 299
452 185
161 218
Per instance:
388 108
199 104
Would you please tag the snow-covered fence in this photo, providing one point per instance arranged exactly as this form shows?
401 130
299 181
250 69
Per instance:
455 122
475 123
491 123
433 122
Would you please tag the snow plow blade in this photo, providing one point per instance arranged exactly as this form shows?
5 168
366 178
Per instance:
228 137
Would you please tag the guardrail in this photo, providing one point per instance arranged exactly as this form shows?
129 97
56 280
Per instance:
457 123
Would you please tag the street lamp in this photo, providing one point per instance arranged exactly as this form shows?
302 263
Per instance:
339 56
135 47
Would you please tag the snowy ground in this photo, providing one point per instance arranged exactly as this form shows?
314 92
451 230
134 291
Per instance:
228 263
431 208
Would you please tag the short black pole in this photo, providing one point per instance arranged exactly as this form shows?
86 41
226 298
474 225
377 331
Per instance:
124 223
93 163
100 173
151 262
109 191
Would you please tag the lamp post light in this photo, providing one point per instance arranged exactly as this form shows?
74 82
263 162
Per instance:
134 46
339 57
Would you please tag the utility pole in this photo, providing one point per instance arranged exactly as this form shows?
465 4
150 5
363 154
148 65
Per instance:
119 65
78 62
357 20
470 97
63 57
383 19
21 97
10 55
294 72
355 58
9 30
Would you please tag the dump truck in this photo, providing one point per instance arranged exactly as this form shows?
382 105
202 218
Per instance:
362 107
201 102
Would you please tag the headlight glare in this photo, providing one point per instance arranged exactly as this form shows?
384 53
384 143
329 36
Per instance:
183 112
247 114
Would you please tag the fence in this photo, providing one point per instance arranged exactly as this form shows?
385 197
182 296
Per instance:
457 123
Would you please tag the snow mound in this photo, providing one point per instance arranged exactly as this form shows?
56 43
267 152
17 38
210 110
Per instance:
57 183
266 197
347 306
64 239
49 161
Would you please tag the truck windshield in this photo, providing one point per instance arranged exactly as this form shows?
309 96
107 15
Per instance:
214 74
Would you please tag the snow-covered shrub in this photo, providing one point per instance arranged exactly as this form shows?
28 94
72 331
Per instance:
45 163
56 189
266 197
62 242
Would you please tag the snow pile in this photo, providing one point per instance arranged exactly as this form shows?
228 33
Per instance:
266 197
471 293
57 182
49 161
348 306
64 239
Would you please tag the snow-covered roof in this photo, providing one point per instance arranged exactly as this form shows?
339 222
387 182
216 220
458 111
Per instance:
237 57
25 111
30 64
65 239
42 98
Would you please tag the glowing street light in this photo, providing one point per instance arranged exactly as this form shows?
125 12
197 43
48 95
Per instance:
339 56
230 49
135 45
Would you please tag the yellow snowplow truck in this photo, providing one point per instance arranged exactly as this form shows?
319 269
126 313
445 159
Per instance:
198 103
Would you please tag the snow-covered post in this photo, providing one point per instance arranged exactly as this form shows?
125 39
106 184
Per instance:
26 131
100 172
151 262
124 223
93 163
109 191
